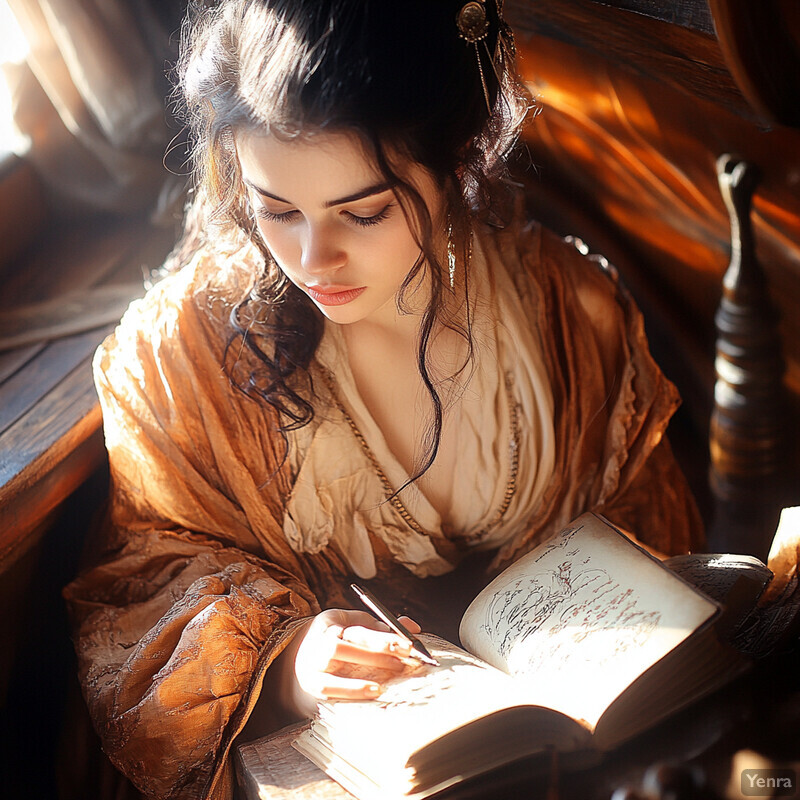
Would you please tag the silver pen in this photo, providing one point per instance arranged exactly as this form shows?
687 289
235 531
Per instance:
384 615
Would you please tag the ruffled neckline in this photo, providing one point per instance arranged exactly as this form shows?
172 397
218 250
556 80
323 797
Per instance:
339 495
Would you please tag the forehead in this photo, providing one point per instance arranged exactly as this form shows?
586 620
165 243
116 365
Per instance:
316 166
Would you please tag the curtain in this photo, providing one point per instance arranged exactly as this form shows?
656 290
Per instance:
93 99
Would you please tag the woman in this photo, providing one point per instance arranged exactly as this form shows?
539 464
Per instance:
361 371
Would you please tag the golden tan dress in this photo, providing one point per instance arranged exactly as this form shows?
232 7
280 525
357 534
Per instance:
216 544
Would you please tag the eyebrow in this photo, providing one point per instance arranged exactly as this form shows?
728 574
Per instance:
377 188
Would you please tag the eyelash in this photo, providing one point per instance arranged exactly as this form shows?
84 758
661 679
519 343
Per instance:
364 222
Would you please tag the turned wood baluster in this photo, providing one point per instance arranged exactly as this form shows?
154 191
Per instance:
747 420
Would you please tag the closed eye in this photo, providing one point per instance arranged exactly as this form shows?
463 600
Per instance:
269 216
291 216
372 220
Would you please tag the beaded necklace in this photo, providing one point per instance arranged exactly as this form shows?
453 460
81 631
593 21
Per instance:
391 494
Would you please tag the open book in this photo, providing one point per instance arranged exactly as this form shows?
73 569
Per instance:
578 646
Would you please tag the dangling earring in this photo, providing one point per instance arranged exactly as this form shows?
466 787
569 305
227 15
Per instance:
451 253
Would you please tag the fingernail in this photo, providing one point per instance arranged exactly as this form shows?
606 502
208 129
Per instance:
374 688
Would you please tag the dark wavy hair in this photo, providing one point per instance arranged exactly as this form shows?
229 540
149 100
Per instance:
396 73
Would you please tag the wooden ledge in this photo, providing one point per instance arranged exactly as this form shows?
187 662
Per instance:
50 422
46 455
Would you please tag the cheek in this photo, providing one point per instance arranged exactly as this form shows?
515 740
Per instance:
400 243
408 253
281 243
386 259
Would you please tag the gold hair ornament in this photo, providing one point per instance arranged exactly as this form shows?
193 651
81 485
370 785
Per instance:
473 27
472 22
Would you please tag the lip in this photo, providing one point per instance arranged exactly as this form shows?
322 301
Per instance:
334 295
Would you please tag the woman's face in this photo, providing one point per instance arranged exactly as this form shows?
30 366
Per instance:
333 224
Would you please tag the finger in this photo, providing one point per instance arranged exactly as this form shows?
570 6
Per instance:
367 647
347 617
355 645
410 625
326 686
358 656
380 641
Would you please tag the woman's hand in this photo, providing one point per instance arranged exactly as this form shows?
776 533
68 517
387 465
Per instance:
347 655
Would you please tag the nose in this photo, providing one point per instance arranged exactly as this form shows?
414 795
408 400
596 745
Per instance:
322 251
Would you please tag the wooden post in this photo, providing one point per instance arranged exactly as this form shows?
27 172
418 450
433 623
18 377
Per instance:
748 420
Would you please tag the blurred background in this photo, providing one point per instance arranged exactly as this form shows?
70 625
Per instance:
637 102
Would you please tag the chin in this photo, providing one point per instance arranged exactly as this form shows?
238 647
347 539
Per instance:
341 315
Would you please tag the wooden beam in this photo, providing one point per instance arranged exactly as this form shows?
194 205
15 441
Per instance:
687 59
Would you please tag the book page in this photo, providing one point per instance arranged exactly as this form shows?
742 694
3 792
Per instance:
716 574
581 617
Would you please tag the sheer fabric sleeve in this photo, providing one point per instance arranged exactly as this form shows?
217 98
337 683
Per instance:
194 591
